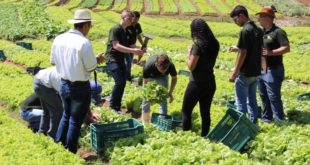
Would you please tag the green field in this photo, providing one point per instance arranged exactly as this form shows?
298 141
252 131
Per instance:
286 142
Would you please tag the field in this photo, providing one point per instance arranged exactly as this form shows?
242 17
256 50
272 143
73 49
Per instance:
286 142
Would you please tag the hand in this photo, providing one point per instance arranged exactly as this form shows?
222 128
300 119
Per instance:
189 49
135 61
141 63
100 58
170 97
138 51
266 52
233 49
94 117
233 76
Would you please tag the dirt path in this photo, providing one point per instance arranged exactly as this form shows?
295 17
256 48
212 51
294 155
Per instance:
305 2
217 11
196 7
161 7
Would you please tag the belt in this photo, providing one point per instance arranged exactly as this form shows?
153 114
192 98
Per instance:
75 82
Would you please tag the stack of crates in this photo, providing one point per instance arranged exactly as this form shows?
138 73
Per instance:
234 130
102 134
165 122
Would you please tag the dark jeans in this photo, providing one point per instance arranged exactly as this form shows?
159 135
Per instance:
202 93
52 108
118 72
128 60
269 85
75 101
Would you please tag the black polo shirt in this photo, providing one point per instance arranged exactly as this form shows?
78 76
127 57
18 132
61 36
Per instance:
151 71
116 34
251 39
133 31
207 57
273 39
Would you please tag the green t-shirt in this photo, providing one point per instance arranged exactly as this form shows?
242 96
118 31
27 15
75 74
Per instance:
273 39
151 71
116 34
251 39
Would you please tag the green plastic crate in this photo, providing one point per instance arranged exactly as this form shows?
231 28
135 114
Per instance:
165 122
304 97
25 45
2 56
101 134
234 130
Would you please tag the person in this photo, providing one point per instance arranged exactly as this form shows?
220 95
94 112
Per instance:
31 111
157 68
96 89
46 86
248 64
202 55
134 32
72 53
276 44
117 48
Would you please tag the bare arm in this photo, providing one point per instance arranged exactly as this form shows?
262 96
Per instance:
124 49
192 59
239 62
276 52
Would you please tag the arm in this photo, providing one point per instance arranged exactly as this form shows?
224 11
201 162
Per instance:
172 86
124 49
276 52
239 62
192 59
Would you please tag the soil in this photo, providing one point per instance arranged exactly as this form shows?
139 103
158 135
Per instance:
305 2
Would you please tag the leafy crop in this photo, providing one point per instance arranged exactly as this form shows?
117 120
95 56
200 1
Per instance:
154 92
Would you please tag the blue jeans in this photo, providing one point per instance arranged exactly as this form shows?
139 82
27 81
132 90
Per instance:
269 85
163 106
245 88
33 116
76 102
52 108
118 72
128 60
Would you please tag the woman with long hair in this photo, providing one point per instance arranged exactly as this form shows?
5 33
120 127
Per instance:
202 55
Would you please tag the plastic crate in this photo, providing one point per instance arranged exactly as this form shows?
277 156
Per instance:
184 72
2 56
304 97
101 134
165 122
231 105
234 130
25 45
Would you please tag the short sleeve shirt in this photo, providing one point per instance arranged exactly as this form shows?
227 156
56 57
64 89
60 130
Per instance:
133 31
151 71
204 67
251 39
73 56
117 33
273 39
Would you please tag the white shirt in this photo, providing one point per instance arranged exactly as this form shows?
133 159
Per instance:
49 78
73 56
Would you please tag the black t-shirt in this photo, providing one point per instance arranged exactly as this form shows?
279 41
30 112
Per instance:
251 39
207 57
116 34
132 32
273 39
31 102
151 71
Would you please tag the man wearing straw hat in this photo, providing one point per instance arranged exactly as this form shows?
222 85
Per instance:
73 55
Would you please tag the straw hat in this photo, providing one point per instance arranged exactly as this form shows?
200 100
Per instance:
81 16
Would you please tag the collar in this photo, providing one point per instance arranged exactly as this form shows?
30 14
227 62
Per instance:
271 29
76 32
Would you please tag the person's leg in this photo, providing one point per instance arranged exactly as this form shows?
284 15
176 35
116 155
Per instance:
118 74
128 61
190 99
205 101
274 92
252 102
163 109
241 89
80 104
267 112
33 116
62 130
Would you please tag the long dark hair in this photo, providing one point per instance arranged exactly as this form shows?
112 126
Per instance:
202 35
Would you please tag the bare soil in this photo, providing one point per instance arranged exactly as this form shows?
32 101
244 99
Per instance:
305 2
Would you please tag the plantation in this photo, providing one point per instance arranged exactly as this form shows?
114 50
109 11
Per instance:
286 142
